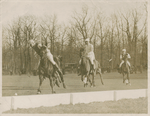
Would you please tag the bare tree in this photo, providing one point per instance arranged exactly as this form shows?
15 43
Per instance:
101 33
50 27
84 23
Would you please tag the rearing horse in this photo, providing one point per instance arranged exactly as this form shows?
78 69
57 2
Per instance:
46 69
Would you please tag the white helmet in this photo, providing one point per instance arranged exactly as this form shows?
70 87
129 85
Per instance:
31 42
87 39
39 45
124 50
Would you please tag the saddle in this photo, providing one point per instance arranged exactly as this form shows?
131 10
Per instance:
125 69
91 63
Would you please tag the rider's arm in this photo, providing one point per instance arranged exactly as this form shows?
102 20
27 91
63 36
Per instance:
89 50
129 56
120 57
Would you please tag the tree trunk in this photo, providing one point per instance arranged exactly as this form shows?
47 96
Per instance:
102 52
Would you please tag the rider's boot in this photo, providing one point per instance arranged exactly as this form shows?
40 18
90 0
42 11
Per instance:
60 73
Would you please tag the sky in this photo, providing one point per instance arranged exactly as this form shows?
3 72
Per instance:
11 9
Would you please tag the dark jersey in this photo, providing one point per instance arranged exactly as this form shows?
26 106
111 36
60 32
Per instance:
36 48
123 56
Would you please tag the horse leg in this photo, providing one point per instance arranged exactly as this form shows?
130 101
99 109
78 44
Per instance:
57 76
128 77
84 80
41 78
100 74
93 77
62 79
57 83
56 79
51 83
123 77
81 77
90 80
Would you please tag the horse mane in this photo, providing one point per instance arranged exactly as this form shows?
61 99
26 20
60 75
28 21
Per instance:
125 57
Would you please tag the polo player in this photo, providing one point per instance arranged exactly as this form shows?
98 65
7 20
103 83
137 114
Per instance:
89 53
122 58
37 48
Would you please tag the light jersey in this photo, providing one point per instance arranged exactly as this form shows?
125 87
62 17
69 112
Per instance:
48 50
88 49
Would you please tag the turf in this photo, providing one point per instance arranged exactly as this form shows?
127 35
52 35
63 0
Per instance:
25 85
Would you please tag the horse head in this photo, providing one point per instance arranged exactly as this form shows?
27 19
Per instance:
42 50
81 52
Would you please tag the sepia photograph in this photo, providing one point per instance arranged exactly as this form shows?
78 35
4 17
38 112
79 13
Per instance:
74 57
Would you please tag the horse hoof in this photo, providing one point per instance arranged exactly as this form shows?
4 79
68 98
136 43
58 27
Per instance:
57 84
54 92
64 85
38 92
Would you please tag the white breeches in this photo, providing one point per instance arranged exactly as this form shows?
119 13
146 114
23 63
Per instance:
50 57
91 57
123 62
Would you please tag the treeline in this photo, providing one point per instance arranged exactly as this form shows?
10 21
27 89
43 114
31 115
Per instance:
108 34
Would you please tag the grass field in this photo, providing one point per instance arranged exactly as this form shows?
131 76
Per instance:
25 85
128 106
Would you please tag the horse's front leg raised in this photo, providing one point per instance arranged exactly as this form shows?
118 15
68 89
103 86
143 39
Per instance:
58 76
51 83
62 78
56 79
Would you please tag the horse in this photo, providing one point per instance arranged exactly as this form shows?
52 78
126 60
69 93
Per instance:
125 70
46 69
86 70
